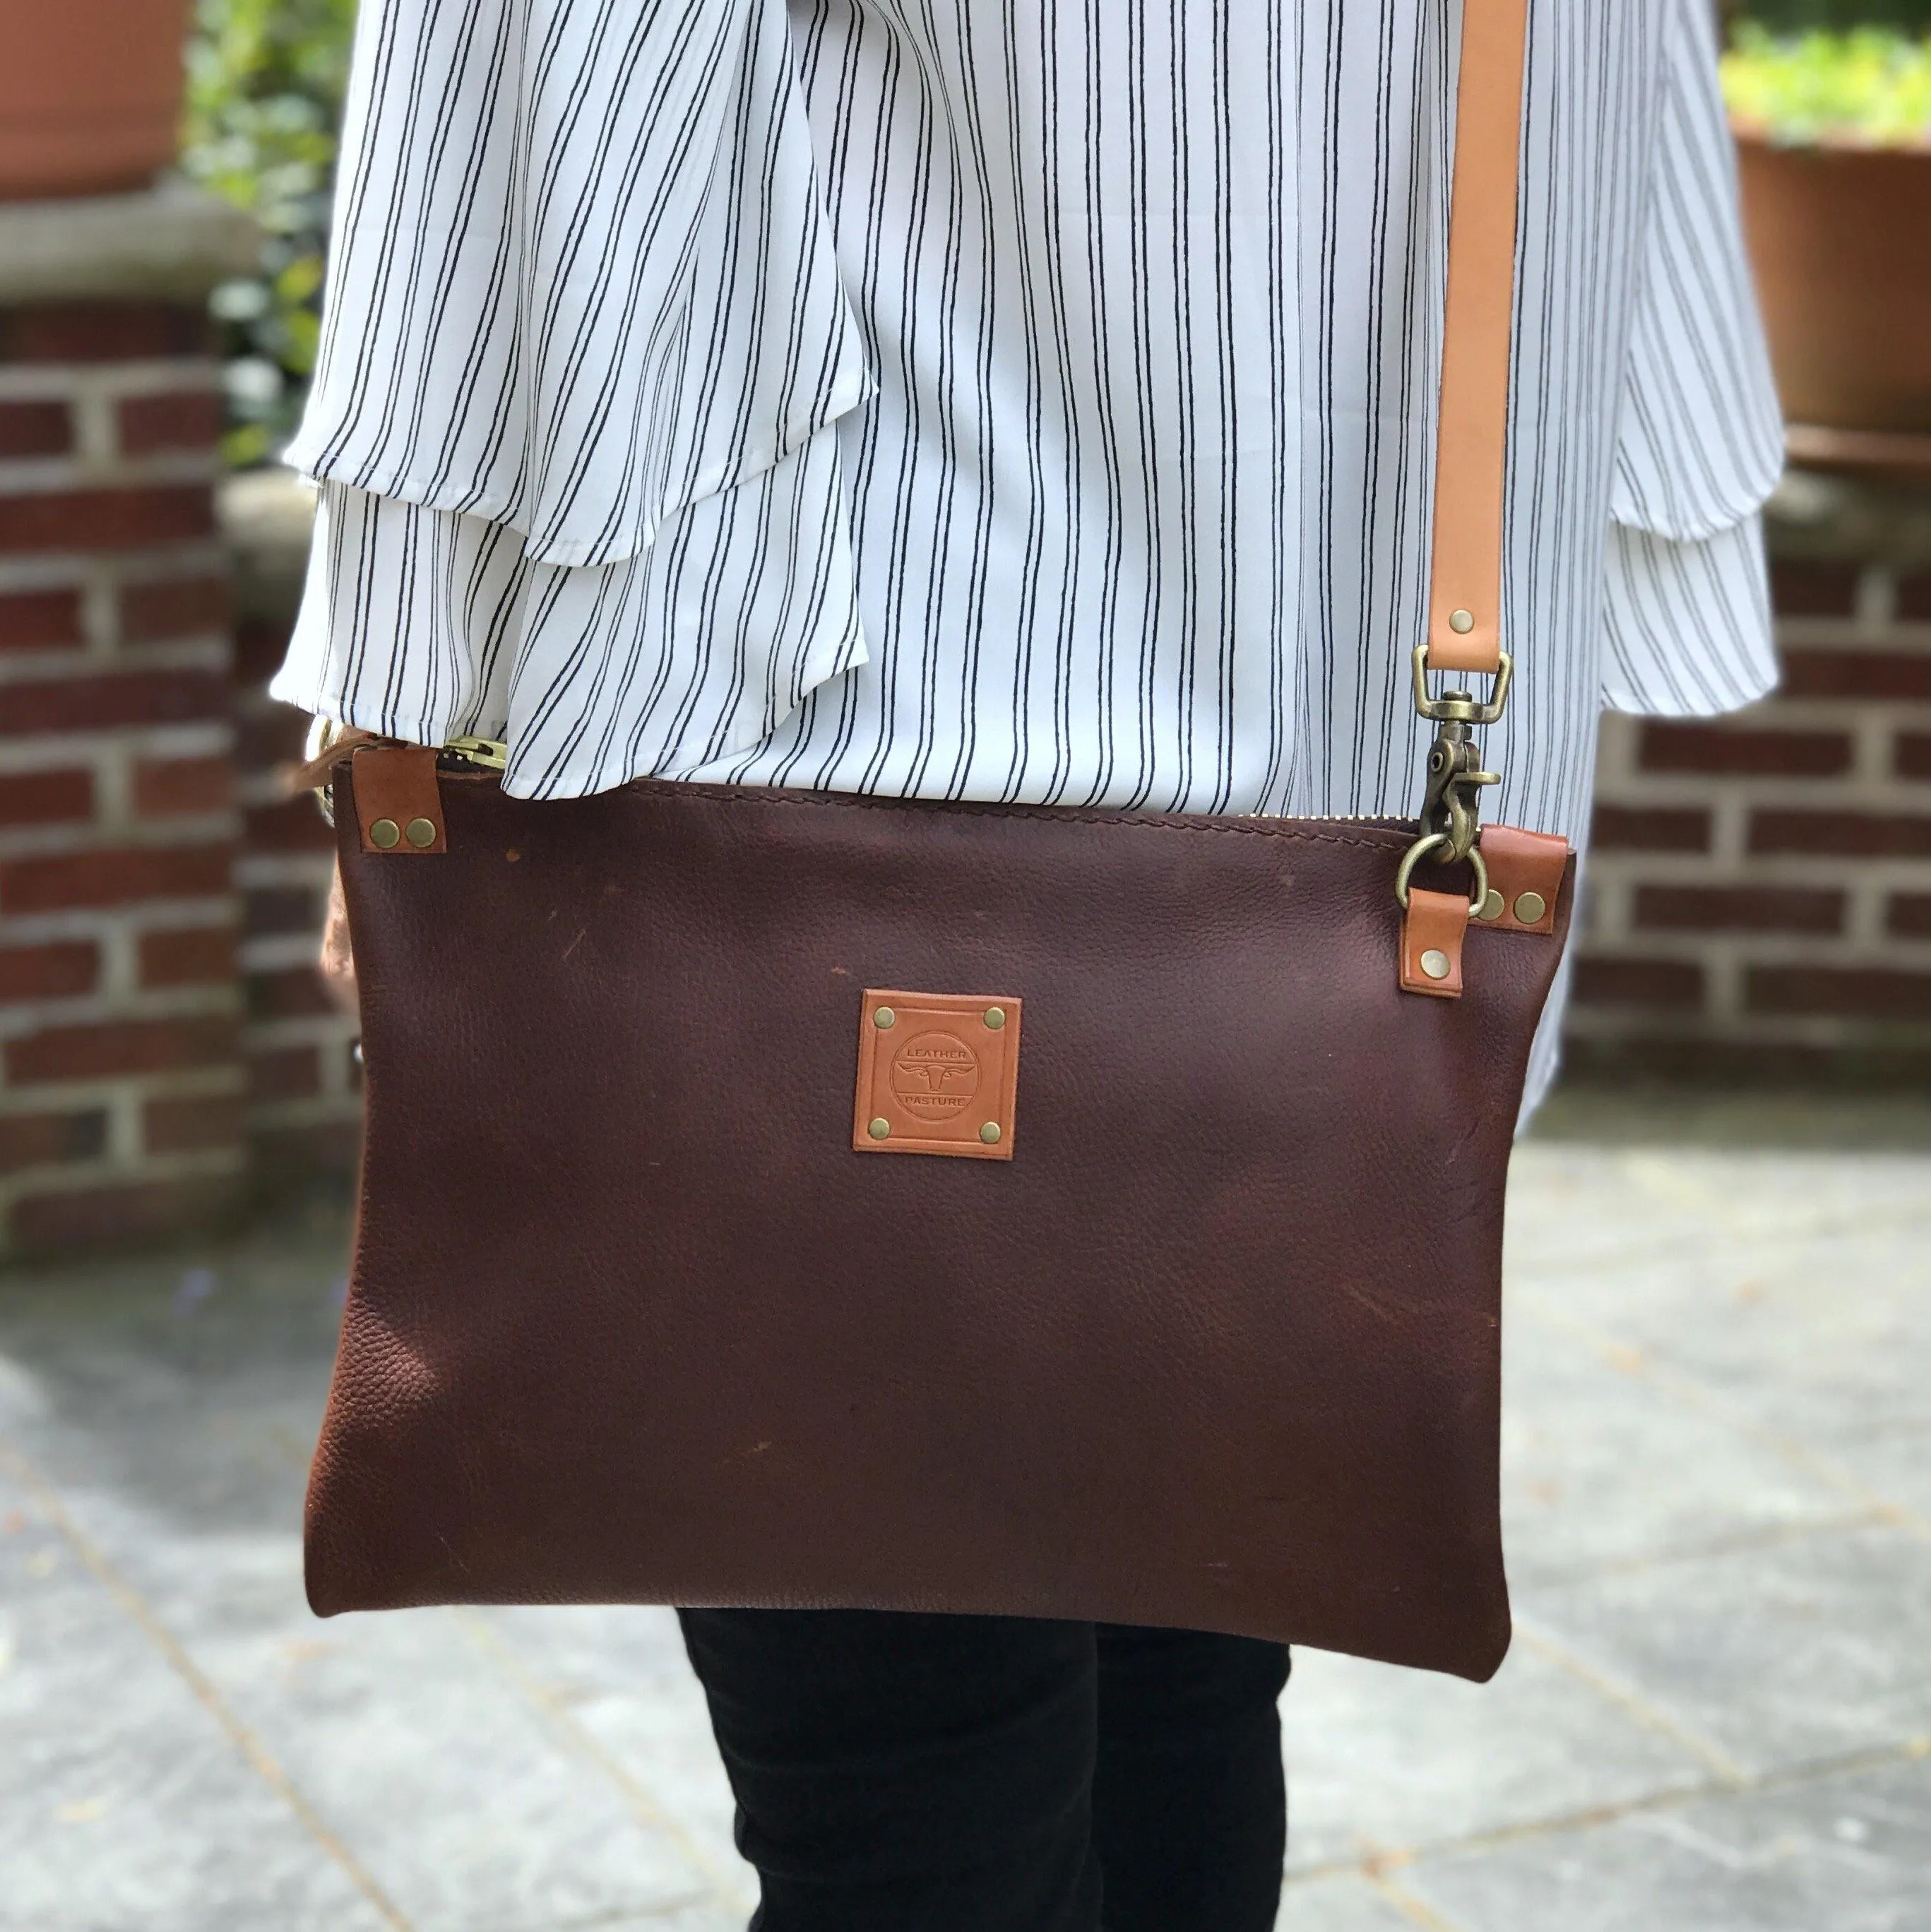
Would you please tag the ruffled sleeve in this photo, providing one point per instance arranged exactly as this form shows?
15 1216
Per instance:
585 347
1700 442
581 276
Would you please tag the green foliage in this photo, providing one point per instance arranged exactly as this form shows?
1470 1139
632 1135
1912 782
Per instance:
1869 86
266 79
264 87
1797 16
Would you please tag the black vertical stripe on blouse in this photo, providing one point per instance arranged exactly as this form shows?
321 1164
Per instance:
1023 399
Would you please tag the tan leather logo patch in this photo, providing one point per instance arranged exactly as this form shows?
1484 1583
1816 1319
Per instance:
938 1073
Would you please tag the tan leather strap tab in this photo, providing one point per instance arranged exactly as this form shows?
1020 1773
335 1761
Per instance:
1465 602
1432 929
1525 874
315 774
398 803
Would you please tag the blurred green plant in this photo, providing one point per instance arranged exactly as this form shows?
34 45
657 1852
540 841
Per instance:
265 84
1797 16
1870 86
265 80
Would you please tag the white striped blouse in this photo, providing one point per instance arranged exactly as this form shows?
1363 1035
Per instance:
1020 399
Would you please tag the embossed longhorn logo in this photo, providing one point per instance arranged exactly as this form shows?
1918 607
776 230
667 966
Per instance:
934 1075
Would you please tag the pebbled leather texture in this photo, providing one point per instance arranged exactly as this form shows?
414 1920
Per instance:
630 1320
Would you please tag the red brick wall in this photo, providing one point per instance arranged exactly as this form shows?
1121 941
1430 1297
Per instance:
121 1077
1758 902
1759 899
305 1105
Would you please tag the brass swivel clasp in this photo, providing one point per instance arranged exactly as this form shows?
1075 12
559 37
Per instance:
1451 810
1452 802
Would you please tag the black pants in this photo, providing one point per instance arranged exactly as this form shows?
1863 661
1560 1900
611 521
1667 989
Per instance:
938 1773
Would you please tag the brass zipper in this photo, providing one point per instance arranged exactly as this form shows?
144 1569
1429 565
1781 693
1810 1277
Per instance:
491 755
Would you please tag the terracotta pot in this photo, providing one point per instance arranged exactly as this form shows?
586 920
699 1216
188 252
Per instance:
90 94
1840 238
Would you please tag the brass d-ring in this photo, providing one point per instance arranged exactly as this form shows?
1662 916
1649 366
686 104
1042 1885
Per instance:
1430 841
326 730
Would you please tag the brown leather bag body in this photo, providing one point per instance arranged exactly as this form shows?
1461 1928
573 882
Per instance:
786 1199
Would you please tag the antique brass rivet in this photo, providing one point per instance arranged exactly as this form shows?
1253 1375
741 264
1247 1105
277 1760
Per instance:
421 831
1530 908
1462 622
989 1133
1493 907
883 1017
880 1129
995 1017
1435 963
385 833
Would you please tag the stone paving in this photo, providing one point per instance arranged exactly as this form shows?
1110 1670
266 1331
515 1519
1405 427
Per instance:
1717 1717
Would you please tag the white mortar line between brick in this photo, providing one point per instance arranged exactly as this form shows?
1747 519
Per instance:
96 922
113 794
205 650
124 1149
204 738
1876 603
1615 751
1608 907
74 1096
95 440
1865 905
284 869
74 1176
198 557
1871 737
154 375
278 952
1765 949
122 832
120 976
1722 981
1845 633
325 1109
54 475
118 998
100 611
1729 831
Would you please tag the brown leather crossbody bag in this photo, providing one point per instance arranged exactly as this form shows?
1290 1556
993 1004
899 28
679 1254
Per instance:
808 1200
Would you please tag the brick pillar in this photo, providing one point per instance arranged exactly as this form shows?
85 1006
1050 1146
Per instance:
121 1076
1758 900
305 1105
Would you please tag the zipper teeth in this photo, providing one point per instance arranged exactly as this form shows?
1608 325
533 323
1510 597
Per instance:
1306 818
1349 817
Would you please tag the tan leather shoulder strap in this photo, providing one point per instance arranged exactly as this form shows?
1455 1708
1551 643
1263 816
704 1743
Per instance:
1464 613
